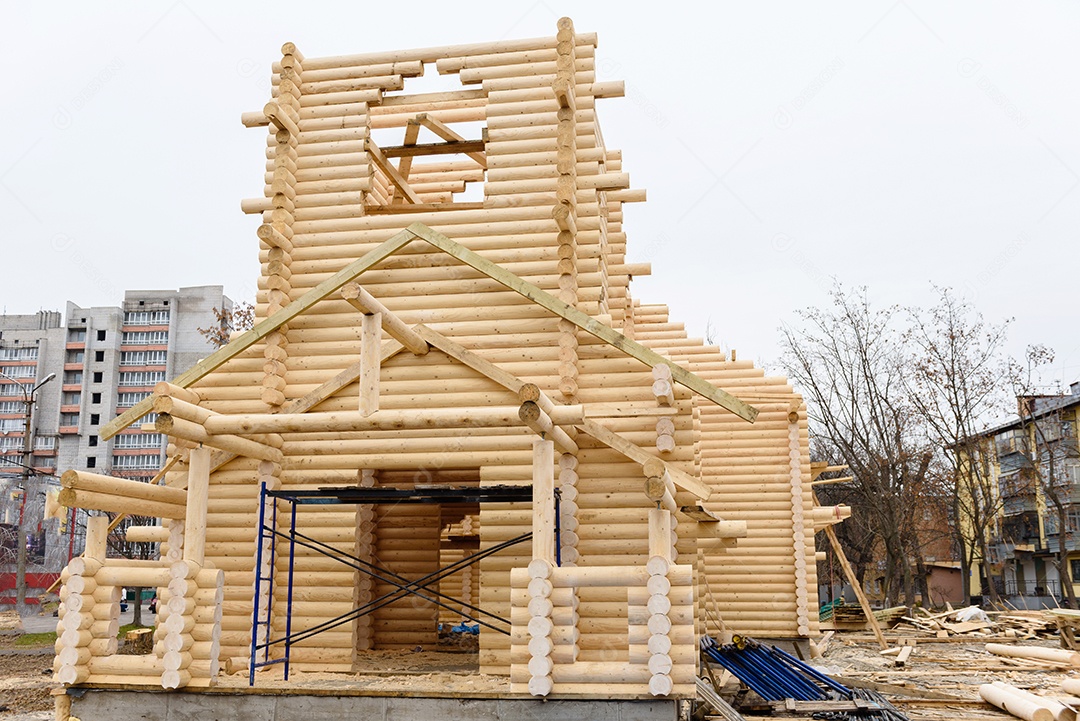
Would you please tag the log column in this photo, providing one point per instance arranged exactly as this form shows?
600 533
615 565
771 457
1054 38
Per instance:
568 508
276 236
76 642
365 550
540 568
658 605
798 527
565 211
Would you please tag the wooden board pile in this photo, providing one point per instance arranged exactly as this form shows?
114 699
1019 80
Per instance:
405 337
1013 624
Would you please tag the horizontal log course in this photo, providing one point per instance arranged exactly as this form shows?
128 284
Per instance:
92 501
109 485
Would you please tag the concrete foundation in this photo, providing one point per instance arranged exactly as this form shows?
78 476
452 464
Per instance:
110 705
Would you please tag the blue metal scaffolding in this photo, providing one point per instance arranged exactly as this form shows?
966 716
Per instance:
268 535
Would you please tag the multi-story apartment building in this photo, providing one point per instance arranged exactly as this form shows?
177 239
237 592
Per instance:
105 360
1034 464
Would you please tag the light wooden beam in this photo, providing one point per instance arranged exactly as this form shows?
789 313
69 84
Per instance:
382 420
238 345
396 328
617 443
370 335
391 172
585 322
412 133
446 133
304 403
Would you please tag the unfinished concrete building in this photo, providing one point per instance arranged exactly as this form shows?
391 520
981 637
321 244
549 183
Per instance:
453 408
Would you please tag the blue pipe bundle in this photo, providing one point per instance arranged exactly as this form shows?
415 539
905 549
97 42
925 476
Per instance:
771 673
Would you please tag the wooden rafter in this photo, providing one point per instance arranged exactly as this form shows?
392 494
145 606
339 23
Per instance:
587 323
238 345
391 172
446 133
636 454
419 231
412 133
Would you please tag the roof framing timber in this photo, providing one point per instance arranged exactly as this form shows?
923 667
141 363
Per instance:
419 231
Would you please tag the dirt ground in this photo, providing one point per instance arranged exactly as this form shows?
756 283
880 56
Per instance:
25 680
939 681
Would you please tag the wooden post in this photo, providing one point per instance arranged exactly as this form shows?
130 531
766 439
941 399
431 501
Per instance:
370 339
197 491
849 573
543 539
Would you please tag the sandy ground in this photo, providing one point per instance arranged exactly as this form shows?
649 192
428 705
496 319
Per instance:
955 669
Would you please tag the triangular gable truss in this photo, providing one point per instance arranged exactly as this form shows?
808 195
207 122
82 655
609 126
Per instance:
418 231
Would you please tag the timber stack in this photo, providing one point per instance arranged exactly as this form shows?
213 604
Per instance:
444 301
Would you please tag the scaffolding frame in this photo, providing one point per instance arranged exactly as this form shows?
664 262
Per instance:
352 495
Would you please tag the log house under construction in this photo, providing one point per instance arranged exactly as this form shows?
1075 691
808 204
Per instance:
447 360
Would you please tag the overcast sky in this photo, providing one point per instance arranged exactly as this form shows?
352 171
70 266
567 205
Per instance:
889 144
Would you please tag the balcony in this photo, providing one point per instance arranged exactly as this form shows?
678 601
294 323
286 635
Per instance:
1015 505
68 430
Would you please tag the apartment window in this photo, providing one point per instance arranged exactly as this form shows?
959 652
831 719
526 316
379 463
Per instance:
9 425
91 462
67 420
11 444
129 441
137 462
11 389
95 398
75 356
146 317
126 400
101 335
145 337
44 462
97 377
143 358
45 443
141 378
19 371
95 419
70 398
18 354
99 356
92 441
76 336
12 407
72 378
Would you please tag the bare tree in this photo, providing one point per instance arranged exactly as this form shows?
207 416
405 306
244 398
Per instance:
240 317
956 385
849 363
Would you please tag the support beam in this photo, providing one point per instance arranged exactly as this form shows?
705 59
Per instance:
196 433
391 172
382 420
637 455
446 133
542 424
853 580
197 492
370 336
238 345
585 322
396 328
543 525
